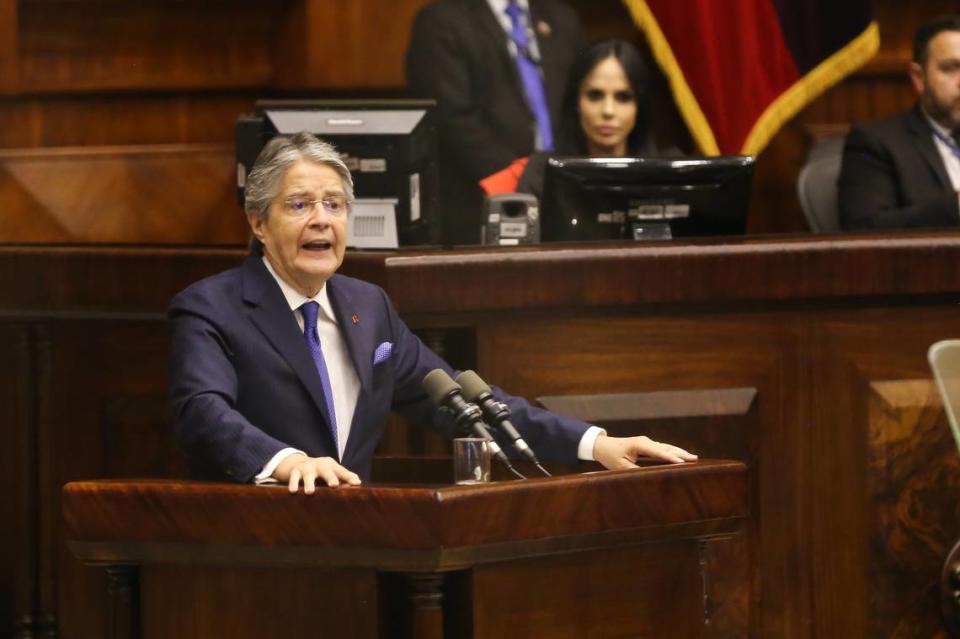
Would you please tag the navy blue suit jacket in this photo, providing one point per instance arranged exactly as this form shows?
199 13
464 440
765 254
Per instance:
244 385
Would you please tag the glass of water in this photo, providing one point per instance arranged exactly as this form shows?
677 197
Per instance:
471 460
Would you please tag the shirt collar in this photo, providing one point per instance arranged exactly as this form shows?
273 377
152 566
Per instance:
500 6
296 299
936 126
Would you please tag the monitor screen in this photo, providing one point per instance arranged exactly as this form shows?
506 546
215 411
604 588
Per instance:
389 147
645 198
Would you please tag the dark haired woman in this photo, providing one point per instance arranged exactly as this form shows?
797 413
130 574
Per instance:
604 115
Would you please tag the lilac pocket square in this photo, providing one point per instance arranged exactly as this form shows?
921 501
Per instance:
383 351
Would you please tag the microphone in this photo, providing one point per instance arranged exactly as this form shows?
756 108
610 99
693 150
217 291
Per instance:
446 392
497 413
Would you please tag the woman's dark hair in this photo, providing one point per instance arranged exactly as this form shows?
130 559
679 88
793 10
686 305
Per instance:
572 139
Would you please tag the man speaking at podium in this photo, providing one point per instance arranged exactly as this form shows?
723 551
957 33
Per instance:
283 370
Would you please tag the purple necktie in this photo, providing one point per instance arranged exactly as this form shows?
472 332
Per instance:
309 310
530 74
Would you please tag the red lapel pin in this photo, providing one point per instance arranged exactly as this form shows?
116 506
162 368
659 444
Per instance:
355 319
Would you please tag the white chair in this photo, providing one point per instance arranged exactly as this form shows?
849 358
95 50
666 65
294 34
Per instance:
817 185
944 359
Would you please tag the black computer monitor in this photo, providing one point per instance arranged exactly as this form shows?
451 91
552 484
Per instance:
645 198
390 147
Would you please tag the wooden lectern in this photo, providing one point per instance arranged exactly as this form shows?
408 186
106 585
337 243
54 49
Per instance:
658 552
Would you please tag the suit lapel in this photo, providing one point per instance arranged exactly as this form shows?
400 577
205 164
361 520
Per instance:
923 138
269 312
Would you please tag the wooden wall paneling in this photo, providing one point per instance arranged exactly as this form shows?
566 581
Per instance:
74 281
176 195
121 119
913 489
108 45
18 458
851 353
899 20
894 94
9 47
858 100
344 44
560 355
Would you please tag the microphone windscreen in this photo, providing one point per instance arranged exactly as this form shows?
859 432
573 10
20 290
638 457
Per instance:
439 385
473 385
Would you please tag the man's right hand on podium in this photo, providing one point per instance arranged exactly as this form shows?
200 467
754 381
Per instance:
298 468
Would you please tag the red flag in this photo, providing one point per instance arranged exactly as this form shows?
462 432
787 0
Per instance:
740 69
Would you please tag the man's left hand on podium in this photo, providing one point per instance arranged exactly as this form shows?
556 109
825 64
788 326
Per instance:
618 453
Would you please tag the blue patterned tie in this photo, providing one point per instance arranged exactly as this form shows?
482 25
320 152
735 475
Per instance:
309 310
530 74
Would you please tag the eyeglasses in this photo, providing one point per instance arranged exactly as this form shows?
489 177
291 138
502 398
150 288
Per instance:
334 206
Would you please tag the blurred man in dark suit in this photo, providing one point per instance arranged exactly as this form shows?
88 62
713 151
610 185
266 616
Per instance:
904 171
498 69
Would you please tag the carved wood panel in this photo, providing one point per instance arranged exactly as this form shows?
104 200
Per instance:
914 486
177 195
870 445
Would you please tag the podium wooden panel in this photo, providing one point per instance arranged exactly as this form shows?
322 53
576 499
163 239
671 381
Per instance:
662 551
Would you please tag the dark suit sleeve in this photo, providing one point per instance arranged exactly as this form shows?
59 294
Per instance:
870 190
554 437
204 388
439 67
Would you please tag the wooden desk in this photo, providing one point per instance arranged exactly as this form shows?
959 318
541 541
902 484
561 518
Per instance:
804 357
662 551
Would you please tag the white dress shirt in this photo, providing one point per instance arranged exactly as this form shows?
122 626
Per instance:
950 160
344 382
499 8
